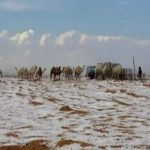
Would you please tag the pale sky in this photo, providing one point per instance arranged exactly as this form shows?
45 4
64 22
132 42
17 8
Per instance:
74 32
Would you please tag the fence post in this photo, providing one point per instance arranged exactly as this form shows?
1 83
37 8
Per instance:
134 67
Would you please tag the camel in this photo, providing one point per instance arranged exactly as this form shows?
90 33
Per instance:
40 72
55 72
26 73
99 72
20 72
52 73
77 72
32 71
117 72
68 72
107 70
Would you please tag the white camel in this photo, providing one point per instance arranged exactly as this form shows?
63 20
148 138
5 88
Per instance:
99 72
20 72
107 70
117 72
32 71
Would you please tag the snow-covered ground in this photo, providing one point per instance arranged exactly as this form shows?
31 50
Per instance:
76 115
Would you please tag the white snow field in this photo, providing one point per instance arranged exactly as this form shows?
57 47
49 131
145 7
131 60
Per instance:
85 115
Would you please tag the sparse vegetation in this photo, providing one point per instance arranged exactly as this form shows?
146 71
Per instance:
63 142
64 110
113 91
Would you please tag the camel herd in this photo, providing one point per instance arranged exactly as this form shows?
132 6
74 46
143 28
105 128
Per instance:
109 70
56 73
31 73
102 71
66 72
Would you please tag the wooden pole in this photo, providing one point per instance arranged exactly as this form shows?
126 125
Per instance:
134 66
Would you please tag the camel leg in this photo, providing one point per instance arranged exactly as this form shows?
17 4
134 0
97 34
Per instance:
51 76
59 77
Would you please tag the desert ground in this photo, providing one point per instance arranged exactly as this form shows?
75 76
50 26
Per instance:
62 115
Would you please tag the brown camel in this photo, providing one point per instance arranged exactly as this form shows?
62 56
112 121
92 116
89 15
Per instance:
40 72
55 72
68 72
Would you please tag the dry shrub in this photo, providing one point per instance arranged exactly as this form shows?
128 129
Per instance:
123 127
34 145
113 91
146 84
73 111
102 130
120 102
66 128
142 147
20 94
116 146
63 142
29 89
54 100
129 138
60 135
13 134
108 120
24 127
46 117
135 95
79 112
124 117
139 121
34 103
69 129
65 108
123 90
103 147
127 132
32 96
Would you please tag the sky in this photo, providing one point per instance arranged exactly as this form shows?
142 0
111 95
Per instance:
74 32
